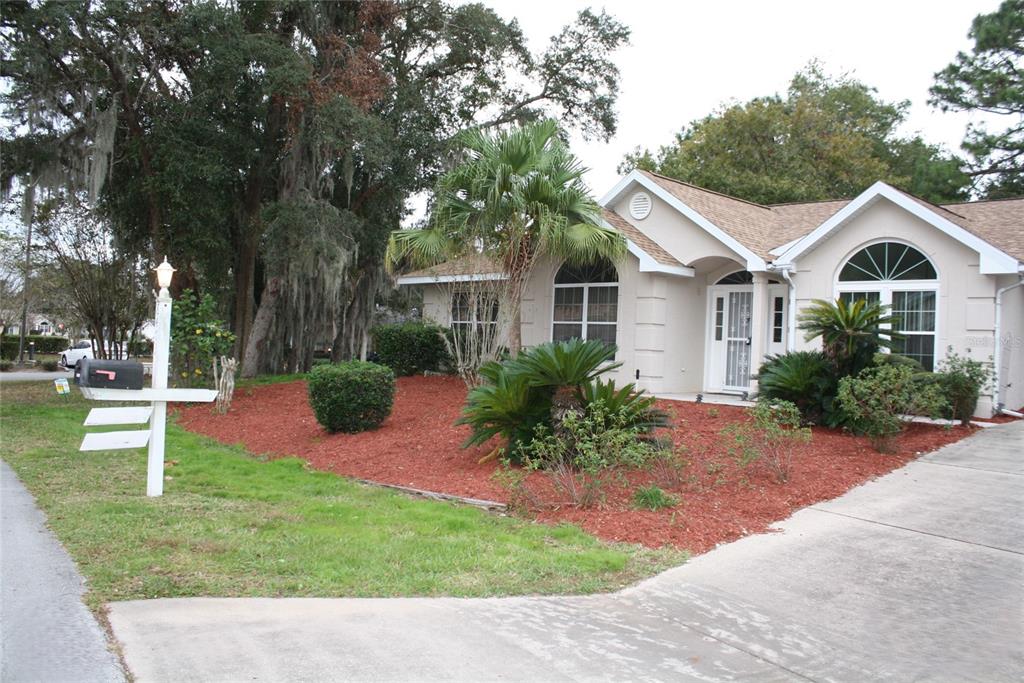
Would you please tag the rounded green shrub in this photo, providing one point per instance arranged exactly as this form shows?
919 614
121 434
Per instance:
353 396
410 348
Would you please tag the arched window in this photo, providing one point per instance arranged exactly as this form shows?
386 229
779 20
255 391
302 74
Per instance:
740 277
887 261
586 302
901 277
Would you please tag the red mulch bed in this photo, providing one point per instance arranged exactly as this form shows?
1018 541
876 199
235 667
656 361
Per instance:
419 446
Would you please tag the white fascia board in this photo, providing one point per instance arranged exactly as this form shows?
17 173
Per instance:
439 279
754 262
993 261
649 265
616 192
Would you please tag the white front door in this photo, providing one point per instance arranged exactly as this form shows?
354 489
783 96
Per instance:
729 338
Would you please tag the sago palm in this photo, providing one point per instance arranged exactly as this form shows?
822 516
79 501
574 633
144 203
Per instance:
565 366
516 195
505 405
851 332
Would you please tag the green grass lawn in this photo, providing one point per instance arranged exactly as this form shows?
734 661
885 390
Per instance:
230 524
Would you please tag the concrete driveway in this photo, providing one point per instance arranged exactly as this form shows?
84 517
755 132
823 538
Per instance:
46 633
918 575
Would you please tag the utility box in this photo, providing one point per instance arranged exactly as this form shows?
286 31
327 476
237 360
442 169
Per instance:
109 374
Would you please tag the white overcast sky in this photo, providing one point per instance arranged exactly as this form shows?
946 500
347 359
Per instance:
687 58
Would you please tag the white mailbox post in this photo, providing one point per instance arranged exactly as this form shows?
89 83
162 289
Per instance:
158 396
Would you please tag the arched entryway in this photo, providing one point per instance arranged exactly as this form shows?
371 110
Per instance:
731 329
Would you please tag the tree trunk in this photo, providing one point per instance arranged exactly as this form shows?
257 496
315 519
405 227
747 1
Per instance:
24 291
515 333
245 275
256 344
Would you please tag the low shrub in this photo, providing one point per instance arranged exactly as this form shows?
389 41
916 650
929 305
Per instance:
769 438
668 466
961 381
877 398
806 379
898 359
544 383
6 365
49 365
353 396
410 348
44 344
653 498
588 446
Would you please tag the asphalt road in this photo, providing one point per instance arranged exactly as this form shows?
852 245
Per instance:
918 575
33 375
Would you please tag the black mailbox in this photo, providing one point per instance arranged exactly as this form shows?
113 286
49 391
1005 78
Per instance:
109 374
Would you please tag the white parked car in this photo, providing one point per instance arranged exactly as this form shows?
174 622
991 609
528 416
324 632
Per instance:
69 357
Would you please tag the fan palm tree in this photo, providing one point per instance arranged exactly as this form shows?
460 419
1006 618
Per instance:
516 195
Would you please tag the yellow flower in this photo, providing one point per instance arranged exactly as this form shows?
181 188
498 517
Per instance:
218 334
198 371
198 331
184 374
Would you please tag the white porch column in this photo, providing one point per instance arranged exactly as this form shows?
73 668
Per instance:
758 326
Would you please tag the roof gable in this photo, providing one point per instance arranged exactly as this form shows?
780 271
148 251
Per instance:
652 256
993 259
731 221
761 233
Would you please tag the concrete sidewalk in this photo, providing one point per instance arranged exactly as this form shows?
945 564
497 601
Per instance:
46 633
918 575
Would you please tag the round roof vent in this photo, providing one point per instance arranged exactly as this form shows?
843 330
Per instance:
640 206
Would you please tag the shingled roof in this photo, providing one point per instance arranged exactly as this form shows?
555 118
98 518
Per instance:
762 228
999 222
468 265
480 265
637 237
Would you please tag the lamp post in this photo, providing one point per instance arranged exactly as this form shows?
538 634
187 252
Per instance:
161 356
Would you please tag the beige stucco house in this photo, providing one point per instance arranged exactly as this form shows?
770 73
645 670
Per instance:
712 283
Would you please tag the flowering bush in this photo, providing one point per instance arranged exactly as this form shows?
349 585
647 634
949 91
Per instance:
197 338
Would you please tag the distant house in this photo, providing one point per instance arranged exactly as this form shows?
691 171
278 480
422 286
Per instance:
713 283
37 324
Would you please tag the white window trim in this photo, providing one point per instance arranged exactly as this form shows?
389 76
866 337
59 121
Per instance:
885 289
584 323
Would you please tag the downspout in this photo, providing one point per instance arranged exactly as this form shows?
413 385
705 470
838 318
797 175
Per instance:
997 359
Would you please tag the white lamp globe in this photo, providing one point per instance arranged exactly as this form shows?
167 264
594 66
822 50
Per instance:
164 273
